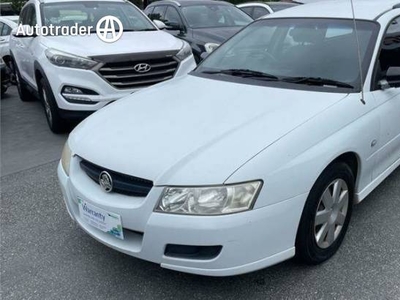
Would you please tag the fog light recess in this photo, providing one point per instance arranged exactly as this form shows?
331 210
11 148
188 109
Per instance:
78 95
192 252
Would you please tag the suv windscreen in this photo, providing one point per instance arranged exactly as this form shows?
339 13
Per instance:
215 15
295 50
88 13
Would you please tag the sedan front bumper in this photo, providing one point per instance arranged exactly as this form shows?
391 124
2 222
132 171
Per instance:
250 240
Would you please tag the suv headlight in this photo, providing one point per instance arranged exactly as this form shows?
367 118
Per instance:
66 158
185 52
213 200
67 60
210 47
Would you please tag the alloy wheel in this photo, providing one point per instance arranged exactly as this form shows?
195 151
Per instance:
18 81
331 213
47 107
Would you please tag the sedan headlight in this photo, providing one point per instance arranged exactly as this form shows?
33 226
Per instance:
185 52
67 60
213 200
66 158
210 47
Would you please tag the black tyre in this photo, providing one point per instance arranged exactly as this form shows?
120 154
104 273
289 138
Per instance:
12 74
326 215
54 120
3 90
23 90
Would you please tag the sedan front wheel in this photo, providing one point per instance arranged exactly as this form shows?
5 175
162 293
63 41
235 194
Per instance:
326 215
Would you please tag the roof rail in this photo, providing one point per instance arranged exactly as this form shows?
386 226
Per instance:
396 6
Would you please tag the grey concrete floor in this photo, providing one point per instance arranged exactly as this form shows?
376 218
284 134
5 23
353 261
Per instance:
26 141
44 255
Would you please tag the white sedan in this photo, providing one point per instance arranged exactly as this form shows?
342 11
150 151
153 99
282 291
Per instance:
256 156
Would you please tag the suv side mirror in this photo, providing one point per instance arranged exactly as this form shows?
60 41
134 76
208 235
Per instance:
160 24
393 77
174 26
23 31
204 55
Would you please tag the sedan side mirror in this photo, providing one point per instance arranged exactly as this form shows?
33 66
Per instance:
160 24
393 77
23 31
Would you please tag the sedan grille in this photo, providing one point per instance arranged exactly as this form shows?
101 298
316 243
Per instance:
139 73
122 183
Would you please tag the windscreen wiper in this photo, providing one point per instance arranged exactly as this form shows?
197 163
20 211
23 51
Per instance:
146 29
244 73
317 81
128 30
143 29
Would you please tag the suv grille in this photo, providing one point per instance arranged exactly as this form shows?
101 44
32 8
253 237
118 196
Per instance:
122 183
123 75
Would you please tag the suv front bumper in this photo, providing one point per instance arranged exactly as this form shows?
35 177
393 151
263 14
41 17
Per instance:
59 77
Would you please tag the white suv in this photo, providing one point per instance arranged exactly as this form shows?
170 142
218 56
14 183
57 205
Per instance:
75 75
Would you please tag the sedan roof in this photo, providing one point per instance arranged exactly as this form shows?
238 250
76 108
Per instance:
364 9
191 2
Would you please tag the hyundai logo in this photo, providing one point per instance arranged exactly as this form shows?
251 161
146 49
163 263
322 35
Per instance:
142 68
105 181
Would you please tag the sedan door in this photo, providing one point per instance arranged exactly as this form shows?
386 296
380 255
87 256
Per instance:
387 96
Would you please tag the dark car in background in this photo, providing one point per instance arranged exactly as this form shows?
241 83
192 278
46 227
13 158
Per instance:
204 24
7 9
5 77
259 9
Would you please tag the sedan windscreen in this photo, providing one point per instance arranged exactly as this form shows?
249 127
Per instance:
295 50
89 13
214 15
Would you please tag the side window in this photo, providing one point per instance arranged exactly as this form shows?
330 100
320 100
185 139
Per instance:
172 17
5 30
248 10
390 50
31 16
28 15
23 18
158 13
259 12
149 10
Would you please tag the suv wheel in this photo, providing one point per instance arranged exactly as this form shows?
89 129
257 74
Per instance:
326 215
54 120
23 91
12 73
